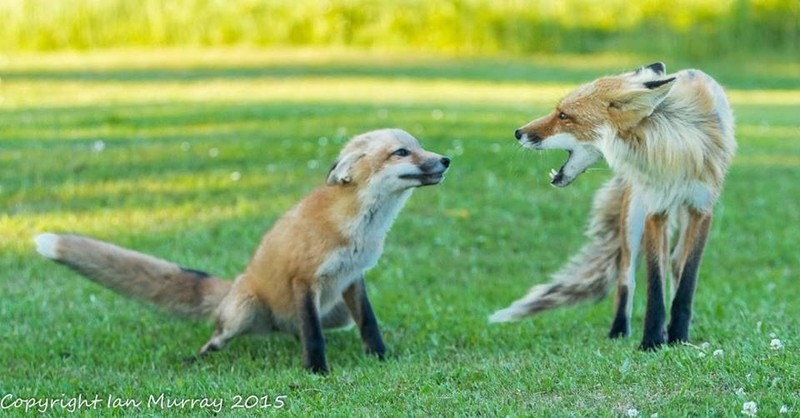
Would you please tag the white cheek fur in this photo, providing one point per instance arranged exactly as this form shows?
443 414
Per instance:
562 140
581 158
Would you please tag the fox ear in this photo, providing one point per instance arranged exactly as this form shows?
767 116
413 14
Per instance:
657 67
340 170
646 97
653 85
659 89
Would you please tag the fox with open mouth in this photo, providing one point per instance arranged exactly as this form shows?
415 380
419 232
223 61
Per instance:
669 139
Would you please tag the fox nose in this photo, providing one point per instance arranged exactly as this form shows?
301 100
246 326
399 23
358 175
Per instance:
518 134
445 162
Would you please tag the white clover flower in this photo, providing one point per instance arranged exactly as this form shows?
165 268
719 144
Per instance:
776 344
784 409
705 345
718 353
213 153
772 335
236 176
750 409
701 354
98 146
632 412
740 392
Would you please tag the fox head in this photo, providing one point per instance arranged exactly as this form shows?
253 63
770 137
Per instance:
608 108
389 159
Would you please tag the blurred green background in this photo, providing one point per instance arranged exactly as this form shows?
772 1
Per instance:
693 28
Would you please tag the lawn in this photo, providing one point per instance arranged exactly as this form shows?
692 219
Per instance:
192 155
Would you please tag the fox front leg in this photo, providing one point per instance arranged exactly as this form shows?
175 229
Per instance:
311 333
356 299
655 245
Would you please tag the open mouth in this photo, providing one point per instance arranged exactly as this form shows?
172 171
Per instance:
425 178
580 155
557 178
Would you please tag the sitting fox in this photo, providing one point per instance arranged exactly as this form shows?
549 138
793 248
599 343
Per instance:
308 272
669 139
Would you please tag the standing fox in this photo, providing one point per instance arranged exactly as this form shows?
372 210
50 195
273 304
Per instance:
669 140
308 272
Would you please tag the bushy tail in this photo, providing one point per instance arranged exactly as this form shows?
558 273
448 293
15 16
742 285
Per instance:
184 292
587 274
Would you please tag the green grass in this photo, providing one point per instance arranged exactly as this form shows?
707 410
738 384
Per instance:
117 145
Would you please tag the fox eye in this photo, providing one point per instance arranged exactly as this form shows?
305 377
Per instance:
402 152
562 116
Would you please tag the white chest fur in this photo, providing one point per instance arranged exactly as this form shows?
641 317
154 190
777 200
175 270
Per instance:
365 233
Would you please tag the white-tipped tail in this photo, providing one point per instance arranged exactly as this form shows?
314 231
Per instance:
510 314
182 291
47 245
588 274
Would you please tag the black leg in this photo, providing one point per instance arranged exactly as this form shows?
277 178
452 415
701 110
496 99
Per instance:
621 325
681 311
655 313
311 335
356 299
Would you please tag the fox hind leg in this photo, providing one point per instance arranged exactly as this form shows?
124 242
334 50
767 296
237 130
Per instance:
695 237
677 259
631 230
338 317
236 315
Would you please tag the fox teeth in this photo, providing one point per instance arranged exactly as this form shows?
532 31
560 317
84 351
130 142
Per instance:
553 173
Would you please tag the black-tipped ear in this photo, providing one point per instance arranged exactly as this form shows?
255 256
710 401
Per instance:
652 85
658 67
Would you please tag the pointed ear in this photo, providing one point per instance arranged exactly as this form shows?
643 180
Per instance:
644 98
658 68
659 89
340 171
653 85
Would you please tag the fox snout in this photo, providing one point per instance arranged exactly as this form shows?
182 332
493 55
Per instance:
435 164
431 170
529 136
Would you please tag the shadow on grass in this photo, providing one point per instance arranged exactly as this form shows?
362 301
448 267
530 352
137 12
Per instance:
536 70
469 71
148 145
